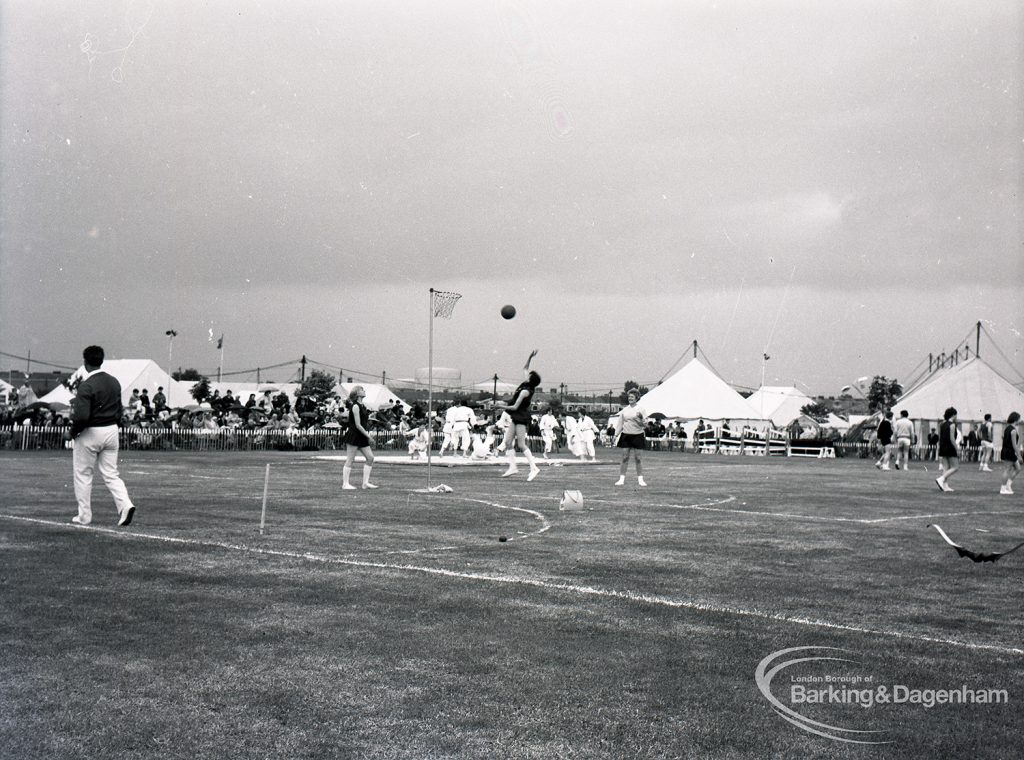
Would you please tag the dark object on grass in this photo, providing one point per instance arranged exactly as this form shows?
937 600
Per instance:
975 556
502 539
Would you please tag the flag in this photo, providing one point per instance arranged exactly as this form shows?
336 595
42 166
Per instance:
220 341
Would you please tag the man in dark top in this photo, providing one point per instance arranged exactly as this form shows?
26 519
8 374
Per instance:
884 433
95 411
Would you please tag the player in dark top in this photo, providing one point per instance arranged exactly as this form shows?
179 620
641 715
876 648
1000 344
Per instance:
1011 453
95 412
949 452
884 433
357 438
987 448
519 410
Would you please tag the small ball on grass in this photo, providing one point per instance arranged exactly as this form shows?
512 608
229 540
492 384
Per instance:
503 539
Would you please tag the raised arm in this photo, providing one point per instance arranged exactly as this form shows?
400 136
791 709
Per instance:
526 367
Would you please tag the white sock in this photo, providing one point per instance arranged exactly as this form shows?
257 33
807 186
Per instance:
346 473
366 473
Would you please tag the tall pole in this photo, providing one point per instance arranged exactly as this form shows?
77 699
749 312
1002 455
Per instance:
977 340
430 386
303 368
494 399
764 365
170 355
221 365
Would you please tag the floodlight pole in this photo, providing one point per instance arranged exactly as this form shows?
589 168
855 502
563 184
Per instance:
170 353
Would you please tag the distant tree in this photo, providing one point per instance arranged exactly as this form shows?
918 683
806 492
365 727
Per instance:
189 374
201 390
883 393
630 385
817 411
318 386
556 406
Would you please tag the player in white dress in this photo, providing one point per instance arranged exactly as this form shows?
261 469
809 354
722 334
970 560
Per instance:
548 423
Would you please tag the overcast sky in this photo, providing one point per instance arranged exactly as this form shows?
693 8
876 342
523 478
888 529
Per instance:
837 184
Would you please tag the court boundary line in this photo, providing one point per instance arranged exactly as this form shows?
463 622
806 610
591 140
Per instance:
554 586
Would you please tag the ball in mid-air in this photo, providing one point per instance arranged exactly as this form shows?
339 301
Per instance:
508 311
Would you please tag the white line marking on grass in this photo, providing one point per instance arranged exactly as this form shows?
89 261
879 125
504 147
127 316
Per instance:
545 525
946 514
629 596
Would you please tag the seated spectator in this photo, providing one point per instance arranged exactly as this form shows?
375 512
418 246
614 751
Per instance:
266 403
159 400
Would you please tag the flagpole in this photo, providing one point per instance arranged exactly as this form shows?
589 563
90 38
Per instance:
430 386
221 365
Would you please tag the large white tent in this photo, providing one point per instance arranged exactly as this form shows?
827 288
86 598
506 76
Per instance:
131 374
972 387
780 404
377 395
696 392
7 390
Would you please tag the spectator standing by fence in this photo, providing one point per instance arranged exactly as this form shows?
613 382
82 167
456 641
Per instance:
95 412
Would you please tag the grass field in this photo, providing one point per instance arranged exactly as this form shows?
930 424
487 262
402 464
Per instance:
394 624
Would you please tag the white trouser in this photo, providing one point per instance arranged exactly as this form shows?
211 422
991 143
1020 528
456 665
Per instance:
96 448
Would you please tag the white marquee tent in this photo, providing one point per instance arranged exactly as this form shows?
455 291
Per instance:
972 387
377 395
780 404
132 374
696 392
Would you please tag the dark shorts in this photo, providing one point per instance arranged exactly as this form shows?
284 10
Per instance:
355 438
1008 455
632 441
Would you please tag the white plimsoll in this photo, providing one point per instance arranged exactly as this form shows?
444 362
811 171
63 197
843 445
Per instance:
621 481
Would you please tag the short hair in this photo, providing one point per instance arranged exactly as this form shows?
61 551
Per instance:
93 356
888 414
352 394
1013 419
988 417
635 392
949 414
904 413
533 379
